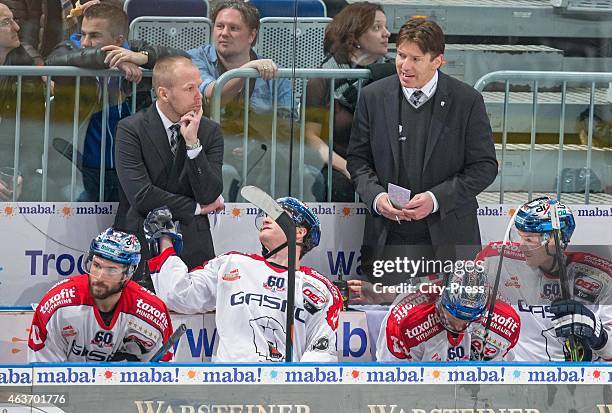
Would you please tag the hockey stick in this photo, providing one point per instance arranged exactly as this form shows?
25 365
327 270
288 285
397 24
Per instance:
268 205
574 348
493 299
169 343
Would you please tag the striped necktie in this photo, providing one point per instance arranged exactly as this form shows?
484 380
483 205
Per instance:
174 134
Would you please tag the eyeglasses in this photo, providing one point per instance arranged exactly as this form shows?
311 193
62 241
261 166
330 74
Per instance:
7 22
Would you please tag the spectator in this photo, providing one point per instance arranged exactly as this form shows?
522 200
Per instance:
168 154
357 38
44 23
101 44
428 133
30 148
235 26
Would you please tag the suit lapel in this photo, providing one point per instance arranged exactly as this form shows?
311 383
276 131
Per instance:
391 110
443 99
158 137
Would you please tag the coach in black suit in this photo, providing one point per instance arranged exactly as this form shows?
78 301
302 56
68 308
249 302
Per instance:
427 132
168 154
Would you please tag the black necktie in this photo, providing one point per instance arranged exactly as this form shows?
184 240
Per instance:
415 98
174 133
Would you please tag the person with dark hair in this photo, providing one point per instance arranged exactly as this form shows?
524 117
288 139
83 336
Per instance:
101 44
357 38
235 27
101 315
428 133
170 155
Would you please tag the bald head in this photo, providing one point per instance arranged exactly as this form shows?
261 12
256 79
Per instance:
164 72
176 81
9 29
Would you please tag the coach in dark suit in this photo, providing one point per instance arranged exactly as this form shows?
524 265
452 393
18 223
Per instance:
168 154
427 132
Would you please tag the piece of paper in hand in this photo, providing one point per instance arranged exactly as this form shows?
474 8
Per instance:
399 196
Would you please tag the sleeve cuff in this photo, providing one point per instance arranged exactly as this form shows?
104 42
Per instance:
376 200
193 153
435 202
198 209
156 263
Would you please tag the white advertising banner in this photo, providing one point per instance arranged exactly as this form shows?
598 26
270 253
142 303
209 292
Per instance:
200 338
43 243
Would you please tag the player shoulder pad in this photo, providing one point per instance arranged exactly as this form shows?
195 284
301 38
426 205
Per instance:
505 322
63 294
503 334
407 327
591 276
319 292
146 306
602 265
493 249
420 323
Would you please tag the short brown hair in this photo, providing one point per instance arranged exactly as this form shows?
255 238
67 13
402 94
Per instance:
249 13
119 23
424 33
347 26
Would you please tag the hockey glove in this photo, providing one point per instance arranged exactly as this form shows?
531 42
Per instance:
159 223
573 318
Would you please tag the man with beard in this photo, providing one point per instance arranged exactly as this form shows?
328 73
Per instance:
102 315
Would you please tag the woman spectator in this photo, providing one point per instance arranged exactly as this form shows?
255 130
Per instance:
357 38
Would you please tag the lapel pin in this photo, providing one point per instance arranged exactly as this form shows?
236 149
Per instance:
442 103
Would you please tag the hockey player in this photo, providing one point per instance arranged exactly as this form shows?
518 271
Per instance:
102 315
249 293
530 281
449 326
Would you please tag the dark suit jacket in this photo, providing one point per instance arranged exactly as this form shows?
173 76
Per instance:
459 157
150 177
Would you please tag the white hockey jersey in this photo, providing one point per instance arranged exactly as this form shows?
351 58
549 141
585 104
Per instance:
531 291
411 331
67 326
250 298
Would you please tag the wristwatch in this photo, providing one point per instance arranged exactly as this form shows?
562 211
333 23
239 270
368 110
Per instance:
194 146
146 54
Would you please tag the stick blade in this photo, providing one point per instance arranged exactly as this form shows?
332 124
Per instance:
262 200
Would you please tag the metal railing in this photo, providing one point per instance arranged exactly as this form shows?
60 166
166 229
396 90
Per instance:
21 72
536 77
299 74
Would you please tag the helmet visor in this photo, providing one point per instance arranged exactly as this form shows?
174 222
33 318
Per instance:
96 267
450 323
528 241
